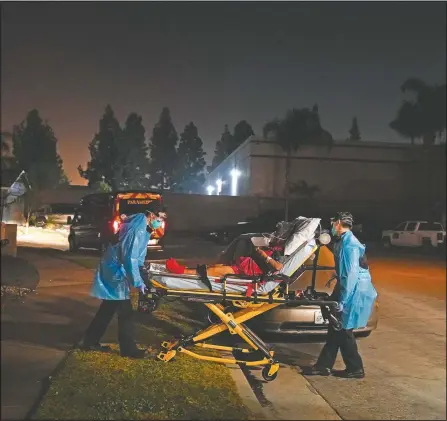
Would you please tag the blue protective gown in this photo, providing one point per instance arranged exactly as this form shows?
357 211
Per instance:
354 288
118 269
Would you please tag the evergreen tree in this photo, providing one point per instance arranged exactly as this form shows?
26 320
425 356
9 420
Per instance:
35 150
106 152
354 132
136 163
191 162
242 131
163 152
223 146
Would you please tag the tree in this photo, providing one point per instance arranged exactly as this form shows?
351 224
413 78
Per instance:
135 159
354 132
425 116
223 146
406 123
189 175
7 160
299 127
163 152
35 150
106 152
5 146
102 187
241 132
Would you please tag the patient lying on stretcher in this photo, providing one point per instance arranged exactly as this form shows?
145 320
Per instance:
279 253
245 265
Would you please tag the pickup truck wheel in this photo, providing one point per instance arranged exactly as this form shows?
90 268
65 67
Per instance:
386 242
426 245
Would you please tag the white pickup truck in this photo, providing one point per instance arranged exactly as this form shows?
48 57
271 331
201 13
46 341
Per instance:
415 234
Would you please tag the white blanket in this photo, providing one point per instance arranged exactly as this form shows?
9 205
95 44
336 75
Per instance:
159 273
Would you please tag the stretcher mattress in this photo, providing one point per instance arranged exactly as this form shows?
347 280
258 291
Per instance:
158 273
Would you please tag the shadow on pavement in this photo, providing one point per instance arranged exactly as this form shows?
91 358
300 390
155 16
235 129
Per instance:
52 252
18 272
61 321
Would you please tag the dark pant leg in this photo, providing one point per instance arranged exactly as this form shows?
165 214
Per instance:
349 351
125 328
329 352
100 322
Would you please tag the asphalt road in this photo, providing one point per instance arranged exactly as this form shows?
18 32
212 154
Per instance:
405 358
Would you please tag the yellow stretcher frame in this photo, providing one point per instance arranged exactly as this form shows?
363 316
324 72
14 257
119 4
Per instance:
250 307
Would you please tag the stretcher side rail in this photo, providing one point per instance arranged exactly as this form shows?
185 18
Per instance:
287 300
230 277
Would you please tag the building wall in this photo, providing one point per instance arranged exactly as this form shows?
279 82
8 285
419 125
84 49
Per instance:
239 159
361 170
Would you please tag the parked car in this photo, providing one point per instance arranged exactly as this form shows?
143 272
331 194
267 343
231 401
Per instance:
56 213
304 320
415 234
266 222
98 218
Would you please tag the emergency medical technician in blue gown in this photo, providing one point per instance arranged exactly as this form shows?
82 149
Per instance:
355 294
118 271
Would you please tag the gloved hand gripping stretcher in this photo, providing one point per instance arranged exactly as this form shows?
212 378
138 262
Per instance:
250 295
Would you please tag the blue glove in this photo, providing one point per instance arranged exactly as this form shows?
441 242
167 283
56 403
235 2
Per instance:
143 288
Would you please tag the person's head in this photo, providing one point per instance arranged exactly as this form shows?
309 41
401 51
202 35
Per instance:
153 220
341 222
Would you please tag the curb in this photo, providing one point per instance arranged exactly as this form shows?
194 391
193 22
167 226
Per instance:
247 395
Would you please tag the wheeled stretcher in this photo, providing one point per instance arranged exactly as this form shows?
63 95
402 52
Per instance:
249 296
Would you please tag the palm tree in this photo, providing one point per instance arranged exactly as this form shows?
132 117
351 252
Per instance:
299 127
425 116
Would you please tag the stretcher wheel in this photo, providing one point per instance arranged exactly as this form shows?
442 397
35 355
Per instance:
166 356
268 377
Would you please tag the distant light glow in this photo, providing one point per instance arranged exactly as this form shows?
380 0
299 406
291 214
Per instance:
219 183
210 190
235 173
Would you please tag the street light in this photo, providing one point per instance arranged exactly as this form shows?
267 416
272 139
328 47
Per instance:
210 190
219 183
235 173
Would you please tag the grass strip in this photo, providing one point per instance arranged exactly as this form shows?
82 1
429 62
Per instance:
95 385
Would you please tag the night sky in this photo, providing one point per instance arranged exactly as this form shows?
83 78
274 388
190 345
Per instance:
214 64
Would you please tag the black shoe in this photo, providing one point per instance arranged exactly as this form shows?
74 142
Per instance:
316 371
95 347
357 374
137 354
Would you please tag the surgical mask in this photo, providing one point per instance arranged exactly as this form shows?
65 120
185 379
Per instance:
156 223
333 231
